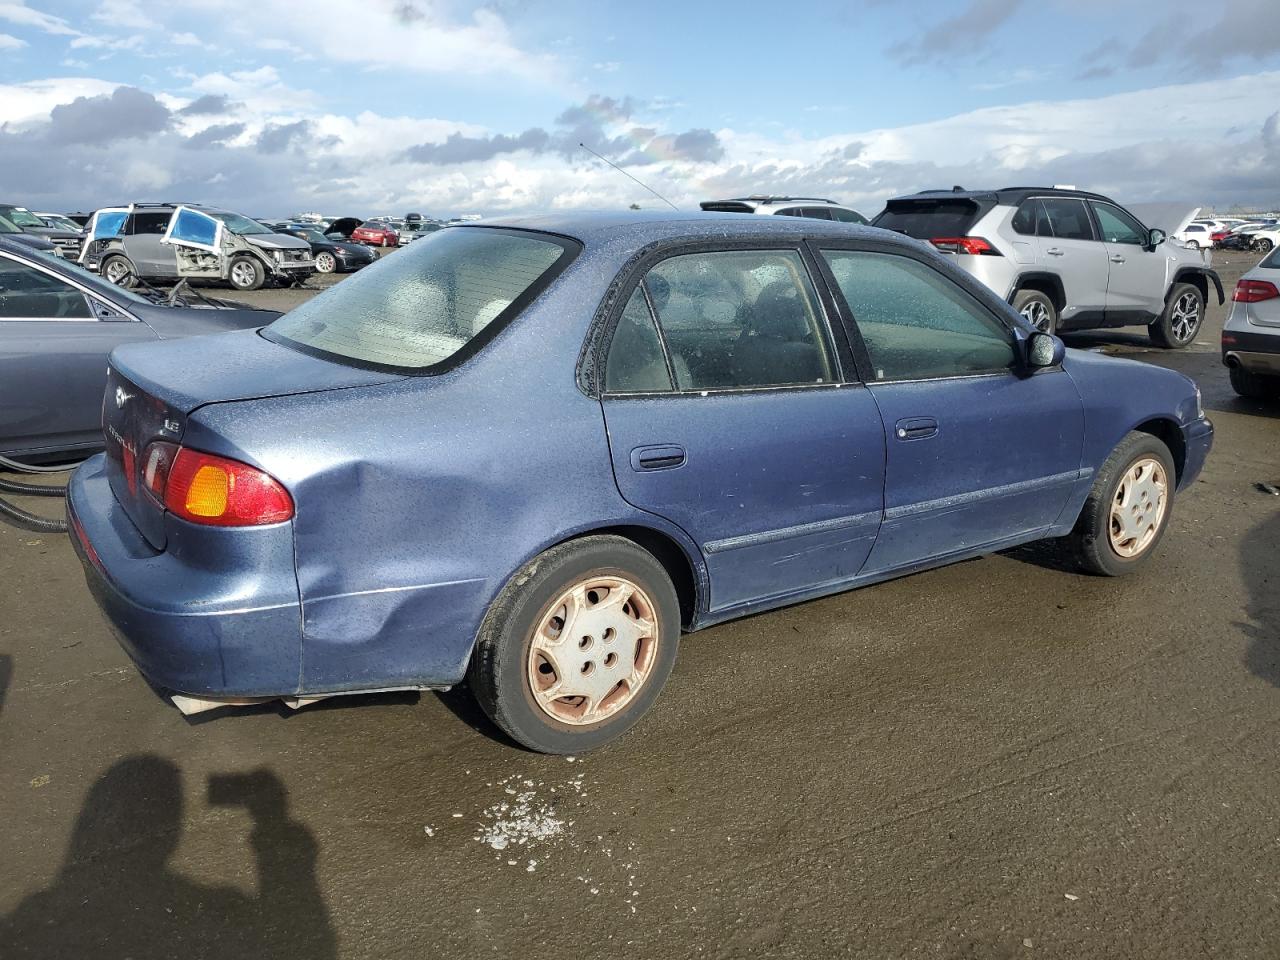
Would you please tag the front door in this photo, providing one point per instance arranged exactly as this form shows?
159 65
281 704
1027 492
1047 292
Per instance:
195 239
979 453
54 342
1136 277
730 417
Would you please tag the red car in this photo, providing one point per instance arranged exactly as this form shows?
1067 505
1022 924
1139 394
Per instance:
375 234
1218 236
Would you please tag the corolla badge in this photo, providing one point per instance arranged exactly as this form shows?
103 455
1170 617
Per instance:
121 397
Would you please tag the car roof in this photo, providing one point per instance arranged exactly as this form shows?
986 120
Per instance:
640 228
1010 196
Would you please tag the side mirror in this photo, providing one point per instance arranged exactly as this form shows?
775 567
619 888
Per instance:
1044 350
1155 238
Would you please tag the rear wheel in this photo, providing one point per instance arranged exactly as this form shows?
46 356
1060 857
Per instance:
1262 245
246 273
1038 309
119 270
326 262
1255 386
1180 322
1128 509
577 646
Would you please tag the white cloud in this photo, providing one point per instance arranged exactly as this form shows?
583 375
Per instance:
124 13
22 103
17 12
9 42
185 40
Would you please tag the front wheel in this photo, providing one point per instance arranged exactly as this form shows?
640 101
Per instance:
1180 322
119 271
1262 245
1128 509
326 262
577 646
246 273
1038 310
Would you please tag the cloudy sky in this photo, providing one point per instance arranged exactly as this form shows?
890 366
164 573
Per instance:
381 106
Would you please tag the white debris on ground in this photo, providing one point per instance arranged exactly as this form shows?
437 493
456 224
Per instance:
536 816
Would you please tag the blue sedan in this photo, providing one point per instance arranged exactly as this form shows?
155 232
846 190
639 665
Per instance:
531 453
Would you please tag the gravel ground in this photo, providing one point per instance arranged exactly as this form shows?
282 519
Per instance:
996 759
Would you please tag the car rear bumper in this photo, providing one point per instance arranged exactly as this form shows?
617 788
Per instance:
192 623
1197 437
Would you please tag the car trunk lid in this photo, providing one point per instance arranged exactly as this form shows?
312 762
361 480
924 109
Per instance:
151 393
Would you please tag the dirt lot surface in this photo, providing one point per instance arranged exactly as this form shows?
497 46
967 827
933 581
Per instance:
996 759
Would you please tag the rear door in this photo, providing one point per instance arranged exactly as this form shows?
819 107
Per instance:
1136 282
144 246
735 416
979 453
1069 248
54 342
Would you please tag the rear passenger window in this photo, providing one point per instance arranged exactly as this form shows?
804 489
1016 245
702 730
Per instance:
816 213
846 216
917 324
636 363
740 320
149 223
1068 219
1030 220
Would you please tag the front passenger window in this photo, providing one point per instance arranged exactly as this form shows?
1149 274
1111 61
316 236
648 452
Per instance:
30 294
917 324
1117 226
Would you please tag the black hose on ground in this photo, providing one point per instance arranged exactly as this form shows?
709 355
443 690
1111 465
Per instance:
33 489
32 468
30 520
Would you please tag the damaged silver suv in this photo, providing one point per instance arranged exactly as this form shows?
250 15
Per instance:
173 241
1066 259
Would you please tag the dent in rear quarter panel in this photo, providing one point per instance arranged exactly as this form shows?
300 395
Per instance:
417 499
1118 396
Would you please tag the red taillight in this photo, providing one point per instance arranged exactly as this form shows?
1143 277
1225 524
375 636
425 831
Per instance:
213 490
1255 291
971 245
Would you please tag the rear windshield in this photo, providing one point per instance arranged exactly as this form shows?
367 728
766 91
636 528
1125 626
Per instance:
925 219
416 309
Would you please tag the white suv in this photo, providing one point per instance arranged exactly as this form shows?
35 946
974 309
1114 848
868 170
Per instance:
1065 259
815 208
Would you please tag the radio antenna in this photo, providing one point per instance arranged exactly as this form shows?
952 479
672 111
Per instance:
625 174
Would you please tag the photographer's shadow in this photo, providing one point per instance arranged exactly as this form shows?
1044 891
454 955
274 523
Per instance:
117 895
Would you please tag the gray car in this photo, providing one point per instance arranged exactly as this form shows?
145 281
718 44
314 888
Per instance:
1251 335
1064 258
166 242
67 241
58 323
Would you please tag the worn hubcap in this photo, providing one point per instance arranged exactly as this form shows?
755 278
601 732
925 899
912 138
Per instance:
593 650
1037 314
1138 508
324 263
1185 318
242 274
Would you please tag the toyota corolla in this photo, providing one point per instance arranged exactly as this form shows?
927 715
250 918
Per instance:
531 454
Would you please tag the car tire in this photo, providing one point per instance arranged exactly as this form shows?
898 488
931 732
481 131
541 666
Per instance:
514 672
1254 386
1262 245
1128 509
118 270
1182 318
1037 309
246 273
326 262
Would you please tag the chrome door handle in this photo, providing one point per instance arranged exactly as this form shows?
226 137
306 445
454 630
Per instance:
1116 258
1055 252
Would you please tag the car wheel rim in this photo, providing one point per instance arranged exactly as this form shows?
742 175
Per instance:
242 274
592 650
1138 508
1037 314
1185 318
324 263
117 272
